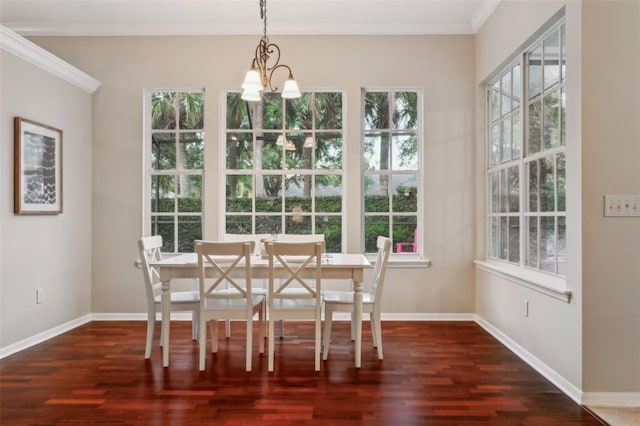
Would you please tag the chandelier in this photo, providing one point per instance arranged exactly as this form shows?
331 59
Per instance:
259 75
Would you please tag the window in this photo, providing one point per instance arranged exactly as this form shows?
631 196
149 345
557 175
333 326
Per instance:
526 187
284 171
174 157
391 145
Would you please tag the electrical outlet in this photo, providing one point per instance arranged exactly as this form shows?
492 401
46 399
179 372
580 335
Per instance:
525 308
39 295
622 205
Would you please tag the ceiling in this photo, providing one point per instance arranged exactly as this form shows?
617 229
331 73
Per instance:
233 17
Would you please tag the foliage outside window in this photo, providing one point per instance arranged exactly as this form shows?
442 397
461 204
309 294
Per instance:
175 158
391 168
284 171
526 187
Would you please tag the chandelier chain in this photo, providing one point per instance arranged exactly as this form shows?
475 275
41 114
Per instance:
263 15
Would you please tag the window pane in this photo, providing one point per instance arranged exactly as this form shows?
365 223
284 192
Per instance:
271 153
191 151
238 112
495 101
297 223
297 156
270 200
162 194
272 112
547 244
514 239
535 122
514 189
238 224
328 152
495 144
405 115
299 113
517 87
329 193
191 106
163 151
532 177
504 191
376 110
563 107
535 72
404 232
547 185
504 237
532 242
494 187
239 151
495 237
563 53
374 226
189 230
190 193
517 136
329 110
405 152
298 193
552 120
561 178
506 140
376 194
165 226
562 246
551 59
505 83
331 227
163 111
376 151
269 225
405 197
238 193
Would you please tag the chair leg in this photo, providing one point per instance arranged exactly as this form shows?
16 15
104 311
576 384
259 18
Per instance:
227 329
282 329
328 319
374 336
271 331
262 331
214 335
249 342
202 340
194 324
375 318
318 344
151 325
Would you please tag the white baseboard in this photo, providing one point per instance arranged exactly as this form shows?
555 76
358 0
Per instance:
550 374
45 335
611 399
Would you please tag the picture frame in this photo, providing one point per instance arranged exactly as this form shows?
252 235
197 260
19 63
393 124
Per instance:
37 168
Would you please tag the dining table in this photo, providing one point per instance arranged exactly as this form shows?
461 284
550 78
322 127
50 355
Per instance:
338 266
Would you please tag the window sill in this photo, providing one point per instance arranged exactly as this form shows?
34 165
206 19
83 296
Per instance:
404 261
548 285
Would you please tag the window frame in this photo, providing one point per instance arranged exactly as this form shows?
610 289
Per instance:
416 258
555 279
148 172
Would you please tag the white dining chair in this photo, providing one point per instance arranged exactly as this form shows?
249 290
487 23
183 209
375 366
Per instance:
298 238
342 301
226 293
292 296
150 250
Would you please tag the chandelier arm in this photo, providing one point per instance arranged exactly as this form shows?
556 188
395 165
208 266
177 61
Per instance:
273 69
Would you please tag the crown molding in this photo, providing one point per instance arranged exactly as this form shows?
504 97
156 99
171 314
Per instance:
482 14
34 54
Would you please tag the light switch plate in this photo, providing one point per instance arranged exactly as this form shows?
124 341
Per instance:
622 205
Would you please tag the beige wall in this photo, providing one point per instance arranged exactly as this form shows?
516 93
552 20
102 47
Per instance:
48 252
611 164
442 65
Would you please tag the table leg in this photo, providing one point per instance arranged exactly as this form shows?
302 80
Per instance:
166 321
357 319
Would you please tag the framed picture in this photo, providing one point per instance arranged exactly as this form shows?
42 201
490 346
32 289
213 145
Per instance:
37 182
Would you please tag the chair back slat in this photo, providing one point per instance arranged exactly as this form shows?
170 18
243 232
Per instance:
219 265
295 258
379 271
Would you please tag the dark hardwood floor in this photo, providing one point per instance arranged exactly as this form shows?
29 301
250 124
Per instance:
434 373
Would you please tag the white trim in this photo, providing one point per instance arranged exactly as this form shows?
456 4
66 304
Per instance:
564 385
44 336
530 279
611 399
34 54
